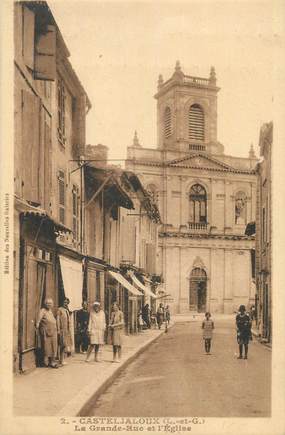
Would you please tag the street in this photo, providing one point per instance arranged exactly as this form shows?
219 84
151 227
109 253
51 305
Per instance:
174 377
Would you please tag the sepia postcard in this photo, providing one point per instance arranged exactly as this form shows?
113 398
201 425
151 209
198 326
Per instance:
142 217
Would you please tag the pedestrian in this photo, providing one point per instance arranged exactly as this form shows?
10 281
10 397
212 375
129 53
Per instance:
96 330
167 314
146 315
140 321
64 331
117 329
82 320
243 324
252 312
46 326
208 327
160 315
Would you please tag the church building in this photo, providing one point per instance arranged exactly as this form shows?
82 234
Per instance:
205 198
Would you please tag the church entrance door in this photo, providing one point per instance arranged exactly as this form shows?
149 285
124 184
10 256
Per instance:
198 290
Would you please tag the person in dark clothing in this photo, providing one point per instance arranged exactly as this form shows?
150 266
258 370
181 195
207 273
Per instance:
82 319
160 315
146 315
243 324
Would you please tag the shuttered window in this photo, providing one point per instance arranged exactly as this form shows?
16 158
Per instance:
196 123
75 211
167 123
61 111
61 196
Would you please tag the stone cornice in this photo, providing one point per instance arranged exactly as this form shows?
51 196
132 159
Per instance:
199 168
185 235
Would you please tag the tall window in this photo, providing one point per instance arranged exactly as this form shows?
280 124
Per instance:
61 111
196 123
198 204
61 196
167 123
240 208
75 211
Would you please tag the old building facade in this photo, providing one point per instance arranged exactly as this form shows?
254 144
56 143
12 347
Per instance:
205 198
264 234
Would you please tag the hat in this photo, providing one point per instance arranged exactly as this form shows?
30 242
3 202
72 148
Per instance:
96 303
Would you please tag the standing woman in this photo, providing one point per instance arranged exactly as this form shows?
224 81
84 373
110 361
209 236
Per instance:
96 330
243 324
207 326
117 326
46 324
64 331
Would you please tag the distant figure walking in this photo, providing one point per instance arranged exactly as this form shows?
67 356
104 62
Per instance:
146 315
208 327
160 315
117 328
243 324
167 314
96 330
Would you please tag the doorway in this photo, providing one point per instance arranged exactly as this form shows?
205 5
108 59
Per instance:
198 290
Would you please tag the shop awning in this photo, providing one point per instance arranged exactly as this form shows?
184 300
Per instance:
143 287
121 280
72 276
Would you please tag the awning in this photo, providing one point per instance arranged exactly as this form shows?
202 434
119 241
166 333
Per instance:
144 288
121 280
72 276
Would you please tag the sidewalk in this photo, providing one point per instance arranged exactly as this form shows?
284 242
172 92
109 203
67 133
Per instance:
67 390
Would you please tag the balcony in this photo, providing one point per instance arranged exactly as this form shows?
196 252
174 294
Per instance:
196 147
198 227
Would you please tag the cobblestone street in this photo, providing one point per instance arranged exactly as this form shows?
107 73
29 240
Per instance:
174 377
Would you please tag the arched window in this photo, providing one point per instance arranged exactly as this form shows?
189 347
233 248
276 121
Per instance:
198 204
240 208
167 122
196 123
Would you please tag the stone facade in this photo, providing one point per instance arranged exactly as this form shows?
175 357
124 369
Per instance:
205 199
264 234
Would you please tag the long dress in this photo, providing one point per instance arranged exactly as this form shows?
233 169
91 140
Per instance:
48 332
63 322
117 331
96 327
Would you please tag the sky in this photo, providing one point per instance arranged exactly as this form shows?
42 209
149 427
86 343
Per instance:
119 48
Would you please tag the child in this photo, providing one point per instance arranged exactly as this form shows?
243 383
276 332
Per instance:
140 321
207 326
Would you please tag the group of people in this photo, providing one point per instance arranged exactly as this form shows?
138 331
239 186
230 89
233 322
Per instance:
148 318
54 332
243 327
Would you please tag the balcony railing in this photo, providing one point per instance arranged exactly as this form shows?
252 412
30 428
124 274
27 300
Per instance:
197 80
198 227
195 147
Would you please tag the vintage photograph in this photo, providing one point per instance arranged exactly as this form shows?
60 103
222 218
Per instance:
142 228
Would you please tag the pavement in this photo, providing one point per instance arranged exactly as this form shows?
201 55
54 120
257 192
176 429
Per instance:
174 377
69 390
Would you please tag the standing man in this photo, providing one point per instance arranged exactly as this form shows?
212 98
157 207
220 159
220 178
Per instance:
243 324
146 315
82 319
64 330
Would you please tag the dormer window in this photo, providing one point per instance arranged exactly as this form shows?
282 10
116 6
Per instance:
196 123
167 123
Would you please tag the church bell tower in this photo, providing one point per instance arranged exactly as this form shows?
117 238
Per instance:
187 113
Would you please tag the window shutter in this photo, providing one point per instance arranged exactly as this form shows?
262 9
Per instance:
30 145
61 196
45 55
28 37
167 123
196 123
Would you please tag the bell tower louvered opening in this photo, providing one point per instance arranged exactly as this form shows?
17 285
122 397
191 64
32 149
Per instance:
167 123
196 123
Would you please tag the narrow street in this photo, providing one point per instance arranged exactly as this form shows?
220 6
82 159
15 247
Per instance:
174 377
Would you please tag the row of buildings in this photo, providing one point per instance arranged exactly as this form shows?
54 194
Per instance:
83 229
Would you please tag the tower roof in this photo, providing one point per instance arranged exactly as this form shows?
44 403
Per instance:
180 79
